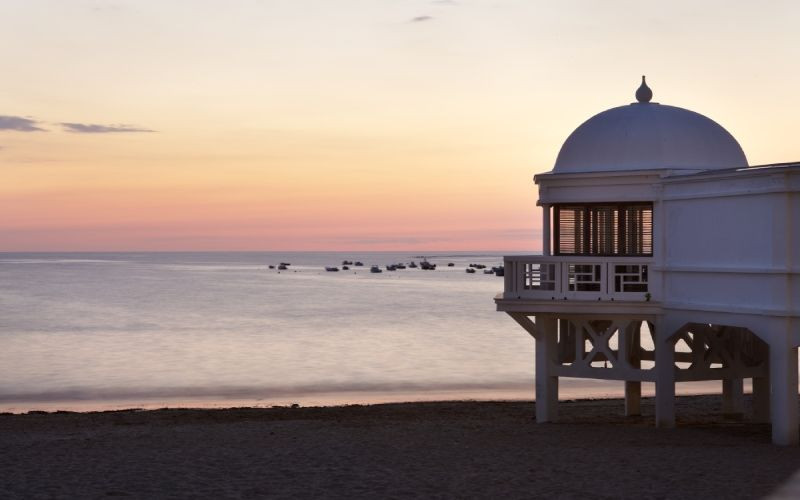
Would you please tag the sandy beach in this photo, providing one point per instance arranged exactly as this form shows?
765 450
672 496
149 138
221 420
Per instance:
442 450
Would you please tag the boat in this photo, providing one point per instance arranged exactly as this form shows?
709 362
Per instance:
272 267
347 262
345 268
450 264
427 266
358 263
375 269
285 264
500 271
488 271
282 267
470 270
413 265
391 267
332 269
400 266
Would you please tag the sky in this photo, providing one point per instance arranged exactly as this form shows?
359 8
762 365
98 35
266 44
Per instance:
348 124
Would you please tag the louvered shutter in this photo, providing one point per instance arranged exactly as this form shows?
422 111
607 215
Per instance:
604 229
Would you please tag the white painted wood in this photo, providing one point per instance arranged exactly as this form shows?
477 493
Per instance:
761 399
783 378
546 379
732 395
665 374
633 389
546 237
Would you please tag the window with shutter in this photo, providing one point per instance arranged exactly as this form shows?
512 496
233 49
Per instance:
604 229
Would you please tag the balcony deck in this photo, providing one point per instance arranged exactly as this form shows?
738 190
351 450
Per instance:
599 285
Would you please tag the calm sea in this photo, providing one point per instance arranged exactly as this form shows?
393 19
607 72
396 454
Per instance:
110 330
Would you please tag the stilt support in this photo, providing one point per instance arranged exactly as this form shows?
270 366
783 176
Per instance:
665 376
783 378
633 389
546 380
761 398
633 399
732 395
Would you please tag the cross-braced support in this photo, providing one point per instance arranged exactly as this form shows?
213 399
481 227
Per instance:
612 348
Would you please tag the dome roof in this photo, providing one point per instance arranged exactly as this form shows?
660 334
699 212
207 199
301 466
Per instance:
646 135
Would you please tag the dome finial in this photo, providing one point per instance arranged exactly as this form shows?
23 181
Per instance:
643 93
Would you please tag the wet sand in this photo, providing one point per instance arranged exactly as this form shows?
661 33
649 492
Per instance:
441 450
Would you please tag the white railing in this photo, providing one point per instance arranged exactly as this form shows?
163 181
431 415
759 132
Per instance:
578 278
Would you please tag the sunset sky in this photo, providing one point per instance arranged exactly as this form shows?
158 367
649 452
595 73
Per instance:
347 124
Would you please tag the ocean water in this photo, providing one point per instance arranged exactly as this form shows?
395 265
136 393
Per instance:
112 330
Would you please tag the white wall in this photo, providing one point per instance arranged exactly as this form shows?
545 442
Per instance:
731 242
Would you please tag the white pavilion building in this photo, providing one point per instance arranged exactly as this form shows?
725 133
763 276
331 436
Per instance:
655 226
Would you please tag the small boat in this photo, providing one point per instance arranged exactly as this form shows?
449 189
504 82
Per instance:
358 263
391 267
488 271
282 267
427 266
347 262
470 270
285 264
450 264
400 266
500 271
375 269
345 268
332 269
272 267
413 265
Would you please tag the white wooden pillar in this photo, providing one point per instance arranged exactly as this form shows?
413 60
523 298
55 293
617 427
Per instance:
761 387
783 379
633 389
732 395
761 399
546 380
546 243
665 375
